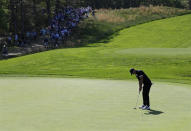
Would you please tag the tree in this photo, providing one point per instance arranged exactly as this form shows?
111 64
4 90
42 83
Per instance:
48 9
57 6
13 19
3 21
34 13
22 18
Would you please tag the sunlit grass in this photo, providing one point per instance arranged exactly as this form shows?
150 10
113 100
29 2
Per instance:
106 22
113 60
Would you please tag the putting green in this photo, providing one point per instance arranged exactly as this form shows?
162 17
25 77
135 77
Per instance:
57 104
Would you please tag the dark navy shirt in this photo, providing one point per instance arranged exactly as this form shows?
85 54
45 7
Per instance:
146 79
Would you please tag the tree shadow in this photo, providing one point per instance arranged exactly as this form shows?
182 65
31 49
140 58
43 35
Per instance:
95 32
153 112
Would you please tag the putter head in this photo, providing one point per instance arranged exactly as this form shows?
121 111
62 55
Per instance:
135 108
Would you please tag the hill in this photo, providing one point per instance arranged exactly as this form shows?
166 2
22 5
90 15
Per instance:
106 22
161 48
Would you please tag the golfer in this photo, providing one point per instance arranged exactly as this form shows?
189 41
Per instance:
145 83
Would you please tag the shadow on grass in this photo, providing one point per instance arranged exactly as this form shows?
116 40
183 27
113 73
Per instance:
91 31
153 112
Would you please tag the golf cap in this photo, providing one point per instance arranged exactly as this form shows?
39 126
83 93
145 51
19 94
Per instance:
131 70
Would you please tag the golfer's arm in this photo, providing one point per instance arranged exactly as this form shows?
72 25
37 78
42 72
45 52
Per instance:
140 83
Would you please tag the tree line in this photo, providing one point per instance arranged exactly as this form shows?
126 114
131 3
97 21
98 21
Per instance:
23 15
132 3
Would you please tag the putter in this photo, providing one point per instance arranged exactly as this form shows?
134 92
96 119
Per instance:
137 101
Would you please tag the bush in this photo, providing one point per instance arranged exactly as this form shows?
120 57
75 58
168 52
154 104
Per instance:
3 21
134 3
172 3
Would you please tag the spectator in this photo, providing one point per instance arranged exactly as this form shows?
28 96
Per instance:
63 23
46 42
4 49
34 34
9 40
16 39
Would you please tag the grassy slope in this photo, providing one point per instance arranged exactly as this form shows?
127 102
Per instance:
113 60
173 33
47 104
107 21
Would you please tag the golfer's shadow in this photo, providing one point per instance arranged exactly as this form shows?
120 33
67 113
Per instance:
153 112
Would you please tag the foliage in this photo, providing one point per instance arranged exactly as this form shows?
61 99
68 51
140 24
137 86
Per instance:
3 21
107 21
133 3
35 12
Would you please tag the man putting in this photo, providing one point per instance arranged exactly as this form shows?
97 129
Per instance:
145 83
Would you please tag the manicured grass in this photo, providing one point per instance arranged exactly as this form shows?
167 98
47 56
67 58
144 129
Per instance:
108 21
47 104
168 33
160 48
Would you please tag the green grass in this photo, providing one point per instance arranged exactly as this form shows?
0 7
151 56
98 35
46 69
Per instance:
161 48
107 21
173 33
46 104
165 55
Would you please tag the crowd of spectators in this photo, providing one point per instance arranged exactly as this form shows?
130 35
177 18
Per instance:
62 25
60 28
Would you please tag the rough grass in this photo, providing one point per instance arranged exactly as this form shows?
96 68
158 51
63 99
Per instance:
109 15
107 21
123 15
166 59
